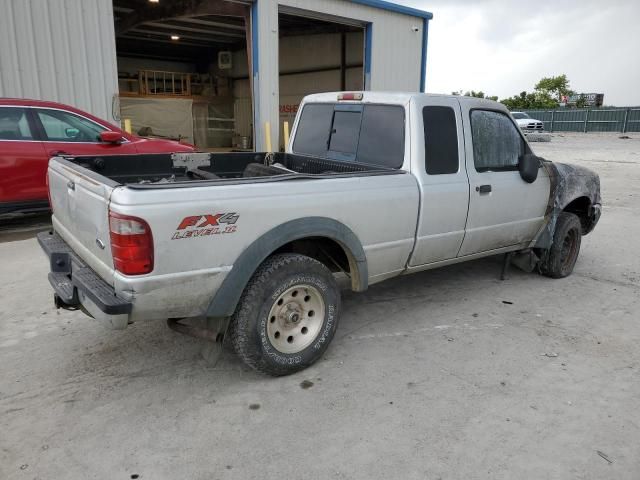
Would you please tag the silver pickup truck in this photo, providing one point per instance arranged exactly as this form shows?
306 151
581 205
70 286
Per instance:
372 186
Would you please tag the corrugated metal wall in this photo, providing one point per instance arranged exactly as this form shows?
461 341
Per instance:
625 119
59 50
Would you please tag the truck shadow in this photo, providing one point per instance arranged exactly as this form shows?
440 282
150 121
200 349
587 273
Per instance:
23 226
149 349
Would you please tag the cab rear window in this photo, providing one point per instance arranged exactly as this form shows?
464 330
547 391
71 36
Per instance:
371 134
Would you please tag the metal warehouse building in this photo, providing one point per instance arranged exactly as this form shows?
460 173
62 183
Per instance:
213 72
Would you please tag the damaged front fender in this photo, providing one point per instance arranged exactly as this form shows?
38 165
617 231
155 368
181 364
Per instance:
574 189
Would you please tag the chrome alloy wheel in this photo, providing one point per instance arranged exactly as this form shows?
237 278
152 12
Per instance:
295 318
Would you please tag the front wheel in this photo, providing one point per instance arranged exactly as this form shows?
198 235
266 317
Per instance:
563 254
287 315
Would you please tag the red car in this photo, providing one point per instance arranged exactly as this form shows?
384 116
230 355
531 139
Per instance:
32 131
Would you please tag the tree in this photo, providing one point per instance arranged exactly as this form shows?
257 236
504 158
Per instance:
556 87
581 102
473 93
527 100
548 93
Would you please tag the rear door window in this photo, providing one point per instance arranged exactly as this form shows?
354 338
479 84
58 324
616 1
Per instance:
440 140
371 134
14 124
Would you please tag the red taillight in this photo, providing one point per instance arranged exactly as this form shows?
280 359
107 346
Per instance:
131 244
350 96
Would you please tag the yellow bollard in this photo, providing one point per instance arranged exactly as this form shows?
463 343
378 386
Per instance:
267 135
286 136
127 125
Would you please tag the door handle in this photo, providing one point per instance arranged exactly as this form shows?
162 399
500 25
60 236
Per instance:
55 153
483 189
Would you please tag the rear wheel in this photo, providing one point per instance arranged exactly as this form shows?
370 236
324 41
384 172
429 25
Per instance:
563 254
287 315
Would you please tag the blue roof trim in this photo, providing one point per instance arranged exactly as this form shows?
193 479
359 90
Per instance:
394 7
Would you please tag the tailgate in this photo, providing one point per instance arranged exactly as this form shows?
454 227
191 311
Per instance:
80 204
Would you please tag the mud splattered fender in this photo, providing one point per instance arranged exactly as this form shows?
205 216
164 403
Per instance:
568 183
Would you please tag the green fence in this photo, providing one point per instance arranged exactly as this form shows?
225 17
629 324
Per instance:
589 120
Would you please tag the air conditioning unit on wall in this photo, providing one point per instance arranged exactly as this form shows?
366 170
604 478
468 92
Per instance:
225 60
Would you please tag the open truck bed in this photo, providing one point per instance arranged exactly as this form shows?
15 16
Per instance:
183 169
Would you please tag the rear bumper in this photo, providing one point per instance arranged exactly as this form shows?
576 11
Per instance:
76 285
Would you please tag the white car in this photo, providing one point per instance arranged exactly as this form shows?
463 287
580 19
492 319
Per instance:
525 122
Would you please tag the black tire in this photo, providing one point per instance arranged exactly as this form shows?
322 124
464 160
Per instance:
252 325
562 256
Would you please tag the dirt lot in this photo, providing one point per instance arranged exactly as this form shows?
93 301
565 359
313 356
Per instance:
448 374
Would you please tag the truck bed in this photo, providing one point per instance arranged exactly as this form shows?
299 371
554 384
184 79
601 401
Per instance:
167 170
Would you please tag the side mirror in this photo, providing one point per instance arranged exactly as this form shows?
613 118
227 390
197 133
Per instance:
528 166
111 137
71 132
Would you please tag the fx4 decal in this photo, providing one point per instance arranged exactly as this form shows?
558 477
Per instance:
207 224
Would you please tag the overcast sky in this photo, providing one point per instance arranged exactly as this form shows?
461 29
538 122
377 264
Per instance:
503 47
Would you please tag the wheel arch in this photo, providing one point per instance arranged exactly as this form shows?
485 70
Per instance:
581 207
293 236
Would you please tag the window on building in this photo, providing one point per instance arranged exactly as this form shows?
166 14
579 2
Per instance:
60 126
14 124
497 144
440 140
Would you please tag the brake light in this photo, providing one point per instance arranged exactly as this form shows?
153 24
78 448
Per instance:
349 96
131 244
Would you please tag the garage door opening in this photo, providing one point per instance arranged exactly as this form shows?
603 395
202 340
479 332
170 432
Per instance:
314 55
317 55
176 69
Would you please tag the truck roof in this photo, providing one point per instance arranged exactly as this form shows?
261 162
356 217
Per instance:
399 98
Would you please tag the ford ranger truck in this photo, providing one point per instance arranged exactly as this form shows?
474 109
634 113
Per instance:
372 186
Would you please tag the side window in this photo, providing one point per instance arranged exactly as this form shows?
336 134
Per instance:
440 140
313 129
497 144
62 126
14 124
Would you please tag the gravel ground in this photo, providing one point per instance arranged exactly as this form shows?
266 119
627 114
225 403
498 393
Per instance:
446 374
